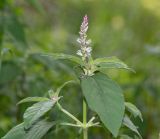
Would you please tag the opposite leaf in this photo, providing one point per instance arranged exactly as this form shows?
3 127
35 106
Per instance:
62 56
37 110
32 99
105 97
36 132
110 62
128 123
133 110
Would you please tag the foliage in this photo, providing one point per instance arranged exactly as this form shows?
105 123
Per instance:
127 29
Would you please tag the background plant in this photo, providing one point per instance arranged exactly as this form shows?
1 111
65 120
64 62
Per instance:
130 32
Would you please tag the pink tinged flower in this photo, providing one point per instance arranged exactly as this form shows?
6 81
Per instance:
84 25
85 50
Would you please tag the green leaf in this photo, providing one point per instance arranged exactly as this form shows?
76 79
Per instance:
16 29
110 62
36 132
33 99
16 132
63 85
133 110
36 111
62 56
128 123
105 97
39 130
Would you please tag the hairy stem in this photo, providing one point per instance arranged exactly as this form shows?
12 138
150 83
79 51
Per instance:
85 130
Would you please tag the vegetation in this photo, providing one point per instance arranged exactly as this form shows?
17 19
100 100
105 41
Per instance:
33 33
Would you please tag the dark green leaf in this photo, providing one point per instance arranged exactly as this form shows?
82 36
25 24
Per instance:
128 123
133 110
105 97
57 56
33 99
36 111
16 29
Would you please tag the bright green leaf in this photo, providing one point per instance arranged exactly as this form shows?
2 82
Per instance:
110 62
33 99
133 110
35 132
128 123
57 56
36 111
105 97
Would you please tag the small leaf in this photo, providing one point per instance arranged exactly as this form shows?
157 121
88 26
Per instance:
110 62
63 85
36 111
32 99
133 110
128 123
105 97
36 132
57 56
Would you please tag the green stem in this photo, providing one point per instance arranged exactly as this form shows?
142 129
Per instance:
85 130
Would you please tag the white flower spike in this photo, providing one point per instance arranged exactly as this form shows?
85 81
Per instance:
85 50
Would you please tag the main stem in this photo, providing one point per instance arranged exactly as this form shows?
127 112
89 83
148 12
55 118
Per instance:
85 130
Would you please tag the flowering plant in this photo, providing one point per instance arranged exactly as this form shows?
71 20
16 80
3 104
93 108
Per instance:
100 93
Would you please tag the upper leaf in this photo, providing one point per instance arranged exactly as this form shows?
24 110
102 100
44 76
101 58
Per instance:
64 57
36 132
110 62
105 97
134 110
128 123
37 110
33 99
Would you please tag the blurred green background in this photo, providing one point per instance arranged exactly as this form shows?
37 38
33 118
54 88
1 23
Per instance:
128 29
